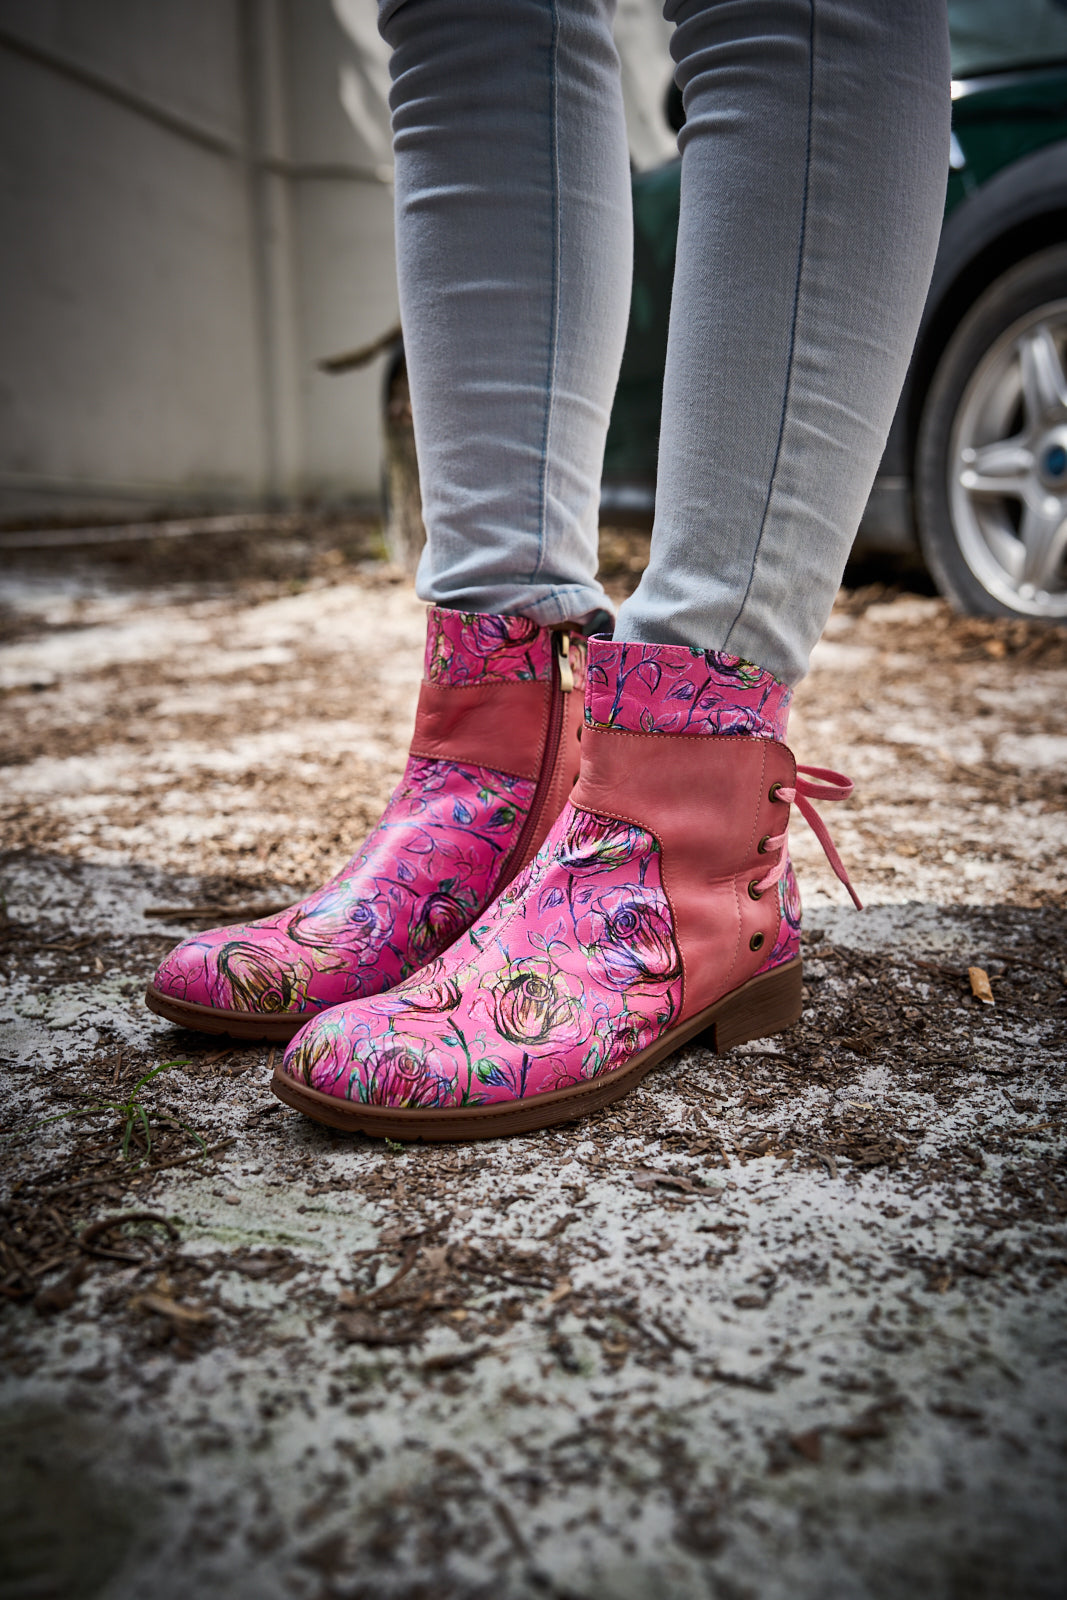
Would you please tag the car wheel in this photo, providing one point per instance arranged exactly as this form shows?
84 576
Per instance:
991 456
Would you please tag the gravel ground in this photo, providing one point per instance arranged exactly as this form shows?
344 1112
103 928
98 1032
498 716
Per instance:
788 1322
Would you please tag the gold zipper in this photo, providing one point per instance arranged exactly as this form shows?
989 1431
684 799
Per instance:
562 682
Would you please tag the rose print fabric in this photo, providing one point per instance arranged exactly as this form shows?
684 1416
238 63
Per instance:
423 875
471 647
657 688
572 971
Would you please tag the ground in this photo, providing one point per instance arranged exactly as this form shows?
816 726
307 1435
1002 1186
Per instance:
784 1323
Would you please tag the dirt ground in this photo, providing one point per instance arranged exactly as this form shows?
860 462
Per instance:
790 1322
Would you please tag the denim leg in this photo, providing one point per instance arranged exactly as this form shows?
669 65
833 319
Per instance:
514 255
814 161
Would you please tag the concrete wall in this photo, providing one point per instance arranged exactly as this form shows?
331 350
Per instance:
190 220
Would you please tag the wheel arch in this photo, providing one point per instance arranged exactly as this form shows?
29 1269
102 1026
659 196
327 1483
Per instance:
1020 211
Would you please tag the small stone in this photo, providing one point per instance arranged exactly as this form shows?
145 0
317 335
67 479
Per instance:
232 1199
808 1445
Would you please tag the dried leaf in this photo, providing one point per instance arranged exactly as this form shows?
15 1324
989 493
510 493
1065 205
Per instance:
980 985
649 1177
164 1306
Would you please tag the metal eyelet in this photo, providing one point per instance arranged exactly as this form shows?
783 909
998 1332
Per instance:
756 941
772 793
754 890
764 842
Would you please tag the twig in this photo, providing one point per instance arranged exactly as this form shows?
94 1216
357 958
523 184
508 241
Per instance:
740 1380
481 1271
180 1316
223 913
351 1301
511 1528
663 1342
194 1155
49 1266
96 1229
452 1359
669 1333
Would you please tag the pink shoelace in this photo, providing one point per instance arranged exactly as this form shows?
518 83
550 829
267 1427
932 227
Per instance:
832 786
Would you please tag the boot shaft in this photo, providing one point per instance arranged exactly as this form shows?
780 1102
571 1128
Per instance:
712 802
504 693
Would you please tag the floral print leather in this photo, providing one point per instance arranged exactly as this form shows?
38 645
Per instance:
464 647
427 870
572 970
666 688
575 967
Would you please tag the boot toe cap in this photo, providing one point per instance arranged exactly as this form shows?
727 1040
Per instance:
190 973
320 1055
229 971
351 1053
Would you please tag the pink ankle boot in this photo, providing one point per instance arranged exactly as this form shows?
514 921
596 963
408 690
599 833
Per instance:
661 906
494 756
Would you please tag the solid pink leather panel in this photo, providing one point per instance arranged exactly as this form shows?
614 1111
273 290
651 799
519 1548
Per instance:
707 800
489 724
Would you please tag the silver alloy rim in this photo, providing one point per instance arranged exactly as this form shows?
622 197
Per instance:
1007 466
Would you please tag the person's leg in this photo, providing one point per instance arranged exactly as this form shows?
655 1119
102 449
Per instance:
814 158
514 249
514 246
662 906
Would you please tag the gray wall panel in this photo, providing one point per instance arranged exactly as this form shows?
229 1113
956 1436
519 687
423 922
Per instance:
346 279
184 55
129 349
190 221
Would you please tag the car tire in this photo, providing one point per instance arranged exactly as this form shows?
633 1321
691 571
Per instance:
991 453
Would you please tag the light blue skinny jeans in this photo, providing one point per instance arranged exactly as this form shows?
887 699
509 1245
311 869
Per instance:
814 160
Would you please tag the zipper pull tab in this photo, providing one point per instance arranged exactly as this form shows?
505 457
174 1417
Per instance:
563 652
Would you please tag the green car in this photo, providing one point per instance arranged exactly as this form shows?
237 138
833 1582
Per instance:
975 469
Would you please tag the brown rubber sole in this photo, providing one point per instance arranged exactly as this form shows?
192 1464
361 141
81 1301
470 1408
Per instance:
764 1005
275 1027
